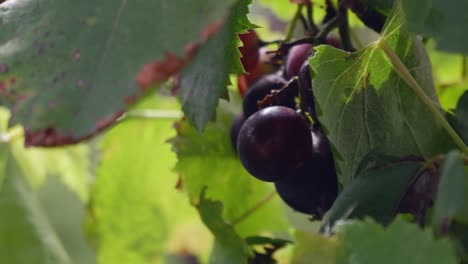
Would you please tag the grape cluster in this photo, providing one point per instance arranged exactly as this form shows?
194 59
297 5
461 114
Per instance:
278 138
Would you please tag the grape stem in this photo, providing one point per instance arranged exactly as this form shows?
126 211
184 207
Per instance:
254 208
151 114
315 40
292 25
404 73
343 29
310 18
464 68
304 22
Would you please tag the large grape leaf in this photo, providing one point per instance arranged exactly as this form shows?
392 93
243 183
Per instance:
206 78
314 248
364 105
71 164
26 235
208 160
402 242
444 20
68 69
451 201
66 213
135 207
228 246
375 193
366 242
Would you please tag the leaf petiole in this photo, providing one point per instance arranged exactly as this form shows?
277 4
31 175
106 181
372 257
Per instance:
254 208
404 73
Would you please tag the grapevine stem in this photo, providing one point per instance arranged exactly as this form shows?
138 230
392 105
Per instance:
292 25
343 29
152 114
464 68
305 25
319 39
254 208
310 17
404 73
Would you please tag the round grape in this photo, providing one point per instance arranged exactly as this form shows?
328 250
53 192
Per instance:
274 143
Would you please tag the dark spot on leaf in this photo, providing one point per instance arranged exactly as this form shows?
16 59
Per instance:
80 83
180 184
445 226
4 68
12 80
21 97
76 55
40 48
51 105
2 87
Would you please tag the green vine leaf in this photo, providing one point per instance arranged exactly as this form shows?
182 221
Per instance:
375 193
208 161
26 235
365 105
402 242
201 85
69 69
228 247
451 201
445 21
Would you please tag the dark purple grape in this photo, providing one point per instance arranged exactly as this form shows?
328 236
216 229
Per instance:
333 41
296 57
315 187
274 143
235 128
260 89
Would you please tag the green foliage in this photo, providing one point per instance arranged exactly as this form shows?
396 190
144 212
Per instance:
282 9
66 214
208 161
149 190
374 193
201 88
26 236
135 206
443 20
402 242
92 52
228 246
451 203
365 105
460 118
367 242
